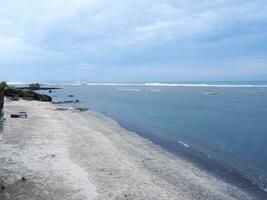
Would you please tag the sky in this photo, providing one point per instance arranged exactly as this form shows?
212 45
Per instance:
133 40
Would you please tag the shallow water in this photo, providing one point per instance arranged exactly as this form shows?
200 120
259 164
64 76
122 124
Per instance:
227 124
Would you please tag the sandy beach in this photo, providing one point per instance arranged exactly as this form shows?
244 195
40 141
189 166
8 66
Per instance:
68 155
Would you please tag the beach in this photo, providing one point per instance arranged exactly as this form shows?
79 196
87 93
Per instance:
65 154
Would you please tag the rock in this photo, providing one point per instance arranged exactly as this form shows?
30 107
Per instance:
71 95
1 98
43 97
34 86
50 91
31 95
20 115
26 94
23 179
81 109
61 109
3 187
62 102
14 116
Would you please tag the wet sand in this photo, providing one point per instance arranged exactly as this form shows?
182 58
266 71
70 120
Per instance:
69 155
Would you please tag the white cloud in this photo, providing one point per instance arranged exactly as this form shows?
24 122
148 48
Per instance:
68 23
85 66
74 30
140 69
82 66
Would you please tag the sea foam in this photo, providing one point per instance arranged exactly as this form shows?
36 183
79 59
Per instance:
184 144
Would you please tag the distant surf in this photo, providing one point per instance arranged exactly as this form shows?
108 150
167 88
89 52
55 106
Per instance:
129 90
174 85
201 85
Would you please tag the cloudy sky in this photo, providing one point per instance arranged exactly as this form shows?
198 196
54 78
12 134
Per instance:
133 40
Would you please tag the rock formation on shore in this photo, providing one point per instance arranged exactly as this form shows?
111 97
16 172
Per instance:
1 98
26 94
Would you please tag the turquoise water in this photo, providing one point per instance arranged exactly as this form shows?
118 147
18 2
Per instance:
226 124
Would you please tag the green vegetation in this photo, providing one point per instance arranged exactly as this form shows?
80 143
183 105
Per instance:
4 85
11 90
27 94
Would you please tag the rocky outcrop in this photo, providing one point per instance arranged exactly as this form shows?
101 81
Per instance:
1 98
31 95
11 91
68 101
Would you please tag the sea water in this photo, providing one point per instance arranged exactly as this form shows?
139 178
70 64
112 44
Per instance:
222 122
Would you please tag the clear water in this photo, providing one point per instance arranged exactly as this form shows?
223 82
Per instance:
228 124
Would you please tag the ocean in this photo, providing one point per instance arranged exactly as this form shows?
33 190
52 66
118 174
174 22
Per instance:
222 126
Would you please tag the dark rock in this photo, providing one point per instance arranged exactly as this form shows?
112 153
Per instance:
1 98
37 86
31 95
81 109
50 91
62 102
34 86
43 97
26 94
71 95
23 179
61 109
14 116
3 187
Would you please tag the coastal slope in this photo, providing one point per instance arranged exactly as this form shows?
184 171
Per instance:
65 154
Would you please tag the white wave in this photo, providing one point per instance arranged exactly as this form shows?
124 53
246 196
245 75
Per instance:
71 84
155 90
172 85
200 85
184 144
130 90
76 83
178 85
114 84
212 93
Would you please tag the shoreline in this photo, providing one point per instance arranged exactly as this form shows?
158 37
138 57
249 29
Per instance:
101 160
205 162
